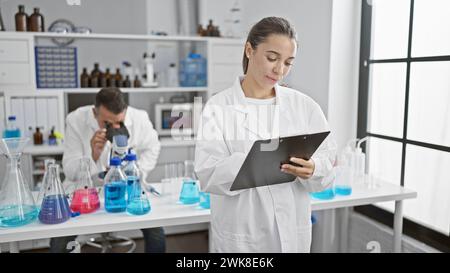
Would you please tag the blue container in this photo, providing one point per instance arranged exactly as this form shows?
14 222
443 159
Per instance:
189 192
324 195
204 200
115 188
343 190
193 71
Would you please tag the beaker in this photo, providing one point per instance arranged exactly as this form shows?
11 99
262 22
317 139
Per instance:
138 203
189 191
55 205
204 200
17 207
85 197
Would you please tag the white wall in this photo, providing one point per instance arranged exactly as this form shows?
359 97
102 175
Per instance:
312 20
344 70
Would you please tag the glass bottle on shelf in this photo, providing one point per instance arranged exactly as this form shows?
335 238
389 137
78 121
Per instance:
107 78
36 21
127 82
136 82
95 76
84 78
17 206
118 80
11 129
21 19
38 138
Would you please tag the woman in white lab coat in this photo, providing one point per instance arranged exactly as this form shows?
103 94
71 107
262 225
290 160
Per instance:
275 218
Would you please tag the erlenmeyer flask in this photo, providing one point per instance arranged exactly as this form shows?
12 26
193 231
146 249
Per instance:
85 197
17 207
55 206
189 190
138 203
44 184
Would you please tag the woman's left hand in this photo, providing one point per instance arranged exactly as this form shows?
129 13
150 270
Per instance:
305 170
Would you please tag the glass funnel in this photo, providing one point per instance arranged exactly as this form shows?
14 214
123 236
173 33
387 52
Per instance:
17 207
85 197
55 206
189 190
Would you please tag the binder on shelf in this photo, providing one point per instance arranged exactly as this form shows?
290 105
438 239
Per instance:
41 115
30 116
52 114
2 114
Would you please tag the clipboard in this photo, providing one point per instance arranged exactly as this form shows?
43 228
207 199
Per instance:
262 164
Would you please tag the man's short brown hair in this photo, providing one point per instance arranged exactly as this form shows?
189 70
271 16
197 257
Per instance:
112 99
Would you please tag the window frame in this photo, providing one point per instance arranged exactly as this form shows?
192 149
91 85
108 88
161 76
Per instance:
411 228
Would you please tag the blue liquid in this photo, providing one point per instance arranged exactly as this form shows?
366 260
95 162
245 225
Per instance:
11 133
115 196
130 183
55 209
204 200
324 195
189 193
10 216
343 190
138 206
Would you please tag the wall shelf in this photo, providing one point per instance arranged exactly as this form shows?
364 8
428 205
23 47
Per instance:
126 90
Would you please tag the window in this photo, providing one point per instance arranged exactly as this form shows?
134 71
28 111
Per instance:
404 108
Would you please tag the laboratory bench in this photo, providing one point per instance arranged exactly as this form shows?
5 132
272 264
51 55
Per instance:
165 212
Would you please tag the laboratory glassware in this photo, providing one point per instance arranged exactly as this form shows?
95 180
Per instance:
85 197
189 190
115 187
17 207
55 207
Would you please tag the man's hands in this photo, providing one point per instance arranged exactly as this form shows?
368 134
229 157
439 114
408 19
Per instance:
98 142
305 171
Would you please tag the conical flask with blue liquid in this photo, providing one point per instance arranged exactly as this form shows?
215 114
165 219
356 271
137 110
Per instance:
189 190
55 207
17 206
137 200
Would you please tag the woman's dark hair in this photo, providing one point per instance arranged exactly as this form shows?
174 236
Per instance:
112 99
261 30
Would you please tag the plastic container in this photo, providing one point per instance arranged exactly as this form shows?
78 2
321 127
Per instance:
193 71
11 130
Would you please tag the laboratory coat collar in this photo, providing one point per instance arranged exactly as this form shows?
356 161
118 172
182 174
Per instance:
240 104
93 123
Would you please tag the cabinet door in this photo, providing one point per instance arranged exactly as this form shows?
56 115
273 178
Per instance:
14 51
14 73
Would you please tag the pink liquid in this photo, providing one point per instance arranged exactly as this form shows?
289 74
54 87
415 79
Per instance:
85 201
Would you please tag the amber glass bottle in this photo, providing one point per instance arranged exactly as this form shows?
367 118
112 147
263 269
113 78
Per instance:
118 78
36 21
95 76
137 82
21 19
84 78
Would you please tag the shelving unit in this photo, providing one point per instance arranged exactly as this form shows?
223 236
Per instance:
127 90
18 79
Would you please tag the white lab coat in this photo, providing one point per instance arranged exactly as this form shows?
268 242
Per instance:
81 126
275 218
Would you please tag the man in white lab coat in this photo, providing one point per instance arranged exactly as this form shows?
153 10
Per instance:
86 136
